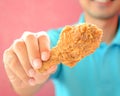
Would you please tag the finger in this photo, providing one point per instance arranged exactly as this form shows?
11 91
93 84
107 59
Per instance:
19 48
40 78
44 44
31 43
17 82
13 78
13 63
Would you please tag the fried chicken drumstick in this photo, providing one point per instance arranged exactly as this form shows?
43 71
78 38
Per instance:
75 43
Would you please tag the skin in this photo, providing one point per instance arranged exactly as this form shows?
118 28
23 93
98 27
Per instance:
22 60
25 55
102 15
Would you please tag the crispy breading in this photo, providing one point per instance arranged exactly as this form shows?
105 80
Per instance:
75 43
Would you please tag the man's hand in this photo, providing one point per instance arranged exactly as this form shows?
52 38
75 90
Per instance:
24 57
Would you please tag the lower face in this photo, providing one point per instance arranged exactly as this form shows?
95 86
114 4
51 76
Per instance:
102 9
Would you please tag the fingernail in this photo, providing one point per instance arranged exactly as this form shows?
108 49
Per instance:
37 63
31 82
31 72
44 56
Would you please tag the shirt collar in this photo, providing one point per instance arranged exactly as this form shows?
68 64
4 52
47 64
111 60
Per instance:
116 39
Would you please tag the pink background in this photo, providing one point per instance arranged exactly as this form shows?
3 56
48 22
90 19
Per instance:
17 16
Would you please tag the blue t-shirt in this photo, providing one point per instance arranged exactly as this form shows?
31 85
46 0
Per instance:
95 75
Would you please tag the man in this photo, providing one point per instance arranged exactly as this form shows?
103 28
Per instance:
96 75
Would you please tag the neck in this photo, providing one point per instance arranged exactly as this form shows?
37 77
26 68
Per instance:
109 26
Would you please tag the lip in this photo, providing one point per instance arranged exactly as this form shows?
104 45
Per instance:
103 0
102 3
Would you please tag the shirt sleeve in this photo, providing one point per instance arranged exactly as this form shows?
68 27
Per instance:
54 36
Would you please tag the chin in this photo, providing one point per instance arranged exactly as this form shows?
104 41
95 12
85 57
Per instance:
100 15
103 16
